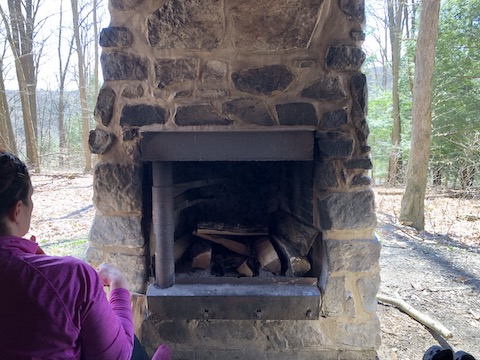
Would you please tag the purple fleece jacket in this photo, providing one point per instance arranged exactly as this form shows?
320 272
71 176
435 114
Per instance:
56 308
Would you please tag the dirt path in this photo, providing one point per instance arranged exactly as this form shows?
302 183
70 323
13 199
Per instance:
437 271
436 274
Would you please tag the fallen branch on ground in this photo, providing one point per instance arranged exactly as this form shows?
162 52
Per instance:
417 315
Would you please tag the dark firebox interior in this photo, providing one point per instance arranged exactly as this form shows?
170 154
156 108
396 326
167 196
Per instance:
240 194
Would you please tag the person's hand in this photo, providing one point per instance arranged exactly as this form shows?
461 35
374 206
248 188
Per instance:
39 249
111 276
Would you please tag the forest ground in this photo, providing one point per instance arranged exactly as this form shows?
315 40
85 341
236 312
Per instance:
437 271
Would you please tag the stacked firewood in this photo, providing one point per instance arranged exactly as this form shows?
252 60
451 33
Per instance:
243 250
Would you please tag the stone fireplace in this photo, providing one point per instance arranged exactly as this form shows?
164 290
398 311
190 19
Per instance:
231 183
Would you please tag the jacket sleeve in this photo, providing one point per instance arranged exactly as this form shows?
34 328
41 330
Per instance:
106 330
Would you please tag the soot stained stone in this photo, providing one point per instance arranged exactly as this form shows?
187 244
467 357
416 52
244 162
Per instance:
297 114
100 141
139 115
344 58
104 107
169 71
334 119
327 88
115 36
186 24
123 66
354 8
263 80
250 111
199 115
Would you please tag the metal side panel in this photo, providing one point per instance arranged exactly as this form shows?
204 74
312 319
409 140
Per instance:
235 301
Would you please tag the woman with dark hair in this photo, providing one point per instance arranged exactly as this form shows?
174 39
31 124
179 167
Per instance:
55 307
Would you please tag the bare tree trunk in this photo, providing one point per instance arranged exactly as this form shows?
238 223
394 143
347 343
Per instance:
413 200
395 12
82 87
61 94
7 138
14 38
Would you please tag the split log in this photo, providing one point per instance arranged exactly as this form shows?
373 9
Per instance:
417 315
181 245
297 265
267 255
245 268
201 254
299 235
216 228
235 246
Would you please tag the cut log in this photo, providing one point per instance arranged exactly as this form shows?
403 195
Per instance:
267 255
299 235
216 228
201 253
297 265
245 269
181 245
235 246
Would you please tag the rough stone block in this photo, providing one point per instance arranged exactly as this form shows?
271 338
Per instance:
175 71
328 88
344 58
352 255
125 4
347 211
325 177
358 163
334 144
94 255
214 70
133 91
354 8
333 299
139 115
100 141
104 107
334 119
257 27
249 111
130 134
263 80
358 87
364 335
115 37
117 230
199 115
297 114
186 24
133 267
117 189
361 180
368 288
122 66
